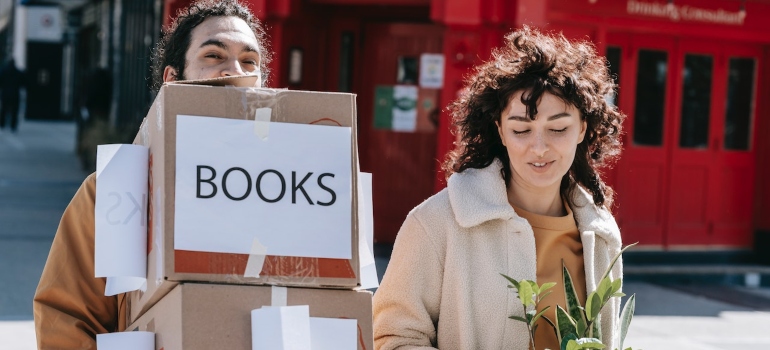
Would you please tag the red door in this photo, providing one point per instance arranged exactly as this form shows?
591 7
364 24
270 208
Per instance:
695 125
686 176
641 182
734 147
402 164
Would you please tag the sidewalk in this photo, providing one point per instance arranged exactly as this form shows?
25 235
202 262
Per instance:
39 173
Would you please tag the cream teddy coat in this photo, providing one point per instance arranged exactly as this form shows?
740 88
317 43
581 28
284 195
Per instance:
443 287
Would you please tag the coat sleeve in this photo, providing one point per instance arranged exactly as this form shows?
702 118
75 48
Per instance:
406 305
69 305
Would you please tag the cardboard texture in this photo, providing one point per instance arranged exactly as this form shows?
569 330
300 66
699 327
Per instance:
166 266
218 316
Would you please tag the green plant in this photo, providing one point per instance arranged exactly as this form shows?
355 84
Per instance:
577 327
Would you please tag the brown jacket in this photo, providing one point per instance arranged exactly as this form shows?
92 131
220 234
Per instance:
69 306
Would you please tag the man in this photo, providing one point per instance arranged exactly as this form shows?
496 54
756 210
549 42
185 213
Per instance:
11 81
207 40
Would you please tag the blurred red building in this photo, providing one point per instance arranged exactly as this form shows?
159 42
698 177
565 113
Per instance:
692 77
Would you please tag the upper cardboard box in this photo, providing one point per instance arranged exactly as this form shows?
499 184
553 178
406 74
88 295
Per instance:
168 265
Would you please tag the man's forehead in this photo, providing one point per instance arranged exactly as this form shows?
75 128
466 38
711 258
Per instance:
228 29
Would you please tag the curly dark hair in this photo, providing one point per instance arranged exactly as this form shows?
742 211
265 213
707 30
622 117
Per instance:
536 63
172 47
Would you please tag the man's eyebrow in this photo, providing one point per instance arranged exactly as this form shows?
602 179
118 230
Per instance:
527 120
214 42
223 46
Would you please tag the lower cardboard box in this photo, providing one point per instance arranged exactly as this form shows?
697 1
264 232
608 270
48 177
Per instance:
218 316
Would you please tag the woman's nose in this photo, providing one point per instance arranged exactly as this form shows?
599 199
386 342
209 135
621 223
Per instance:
539 145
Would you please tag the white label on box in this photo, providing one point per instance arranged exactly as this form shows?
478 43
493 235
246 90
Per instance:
291 191
126 341
369 278
281 328
120 215
333 333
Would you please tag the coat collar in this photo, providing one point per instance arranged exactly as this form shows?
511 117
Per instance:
480 195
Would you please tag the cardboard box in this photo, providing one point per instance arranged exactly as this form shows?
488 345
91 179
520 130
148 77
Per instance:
217 316
167 266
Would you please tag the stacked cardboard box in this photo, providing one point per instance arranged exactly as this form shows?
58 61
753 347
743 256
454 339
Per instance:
198 299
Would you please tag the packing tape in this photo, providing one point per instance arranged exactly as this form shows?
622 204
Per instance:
256 259
278 296
262 122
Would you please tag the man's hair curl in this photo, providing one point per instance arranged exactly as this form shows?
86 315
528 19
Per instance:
171 49
534 63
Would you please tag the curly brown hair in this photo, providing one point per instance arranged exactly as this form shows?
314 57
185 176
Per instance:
536 63
172 47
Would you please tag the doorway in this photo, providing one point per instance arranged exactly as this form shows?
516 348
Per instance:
686 177
401 159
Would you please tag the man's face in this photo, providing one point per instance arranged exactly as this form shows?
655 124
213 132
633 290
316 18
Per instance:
219 47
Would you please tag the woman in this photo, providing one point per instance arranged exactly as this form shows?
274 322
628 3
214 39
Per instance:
523 195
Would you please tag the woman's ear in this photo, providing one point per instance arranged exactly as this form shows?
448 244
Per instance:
583 127
500 132
169 74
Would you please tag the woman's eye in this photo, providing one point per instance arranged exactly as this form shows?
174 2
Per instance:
559 130
522 132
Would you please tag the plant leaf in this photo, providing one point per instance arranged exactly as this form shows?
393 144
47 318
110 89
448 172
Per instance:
593 306
615 259
590 343
595 333
545 295
546 286
572 302
534 319
525 293
535 288
618 294
572 345
553 326
603 289
616 285
565 341
565 324
514 282
517 318
625 317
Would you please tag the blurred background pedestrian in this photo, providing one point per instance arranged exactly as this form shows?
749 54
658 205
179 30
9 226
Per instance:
11 81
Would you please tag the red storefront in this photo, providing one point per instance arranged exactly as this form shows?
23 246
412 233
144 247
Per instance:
692 81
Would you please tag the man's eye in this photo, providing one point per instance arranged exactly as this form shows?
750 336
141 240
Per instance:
251 62
213 55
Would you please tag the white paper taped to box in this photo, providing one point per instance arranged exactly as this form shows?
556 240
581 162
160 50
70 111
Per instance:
368 268
126 341
292 328
120 216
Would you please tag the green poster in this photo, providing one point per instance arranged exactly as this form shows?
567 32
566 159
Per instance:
383 107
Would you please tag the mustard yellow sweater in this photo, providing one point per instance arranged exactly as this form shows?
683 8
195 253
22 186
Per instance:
556 239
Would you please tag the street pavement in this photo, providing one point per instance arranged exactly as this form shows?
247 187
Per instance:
39 173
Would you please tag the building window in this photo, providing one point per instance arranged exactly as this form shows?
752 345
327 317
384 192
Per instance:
696 101
651 75
740 101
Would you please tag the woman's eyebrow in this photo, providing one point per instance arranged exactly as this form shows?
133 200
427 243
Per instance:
527 120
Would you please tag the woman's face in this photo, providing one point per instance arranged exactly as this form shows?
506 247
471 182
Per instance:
541 150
